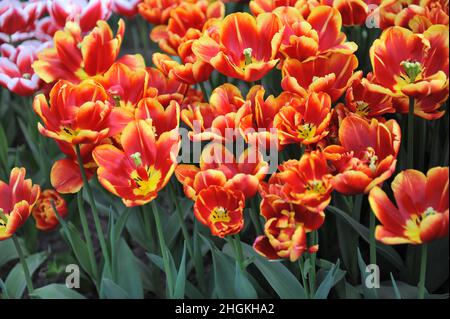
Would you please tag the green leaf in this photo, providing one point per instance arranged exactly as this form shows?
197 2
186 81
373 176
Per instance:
15 282
8 251
110 290
223 269
398 295
328 282
126 271
180 283
285 284
364 232
368 293
79 246
56 291
243 288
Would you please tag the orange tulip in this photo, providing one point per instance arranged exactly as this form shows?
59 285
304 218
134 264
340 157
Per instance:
417 15
78 113
366 156
319 34
185 19
422 213
260 6
75 58
127 85
144 166
243 47
165 89
220 209
353 12
212 120
43 211
368 99
17 199
256 121
65 175
331 74
157 11
412 65
218 166
304 122
305 182
285 229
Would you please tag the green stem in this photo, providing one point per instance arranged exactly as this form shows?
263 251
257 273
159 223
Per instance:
87 235
303 276
254 215
26 271
197 261
410 161
372 242
204 92
163 246
423 270
98 227
312 279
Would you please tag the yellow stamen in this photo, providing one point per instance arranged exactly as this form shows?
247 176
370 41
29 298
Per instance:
219 214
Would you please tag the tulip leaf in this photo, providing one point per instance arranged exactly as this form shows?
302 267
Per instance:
180 283
8 251
56 291
223 269
398 295
15 282
110 290
285 284
364 232
369 293
242 286
329 281
79 246
126 271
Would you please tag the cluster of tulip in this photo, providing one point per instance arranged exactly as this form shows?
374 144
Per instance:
117 119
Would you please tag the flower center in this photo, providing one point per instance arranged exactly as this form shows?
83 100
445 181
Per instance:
307 131
220 214
146 179
362 108
248 56
412 69
316 187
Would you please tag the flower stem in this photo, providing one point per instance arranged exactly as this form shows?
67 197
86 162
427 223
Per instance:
301 265
26 271
410 160
98 227
423 270
197 261
312 278
163 246
372 242
254 215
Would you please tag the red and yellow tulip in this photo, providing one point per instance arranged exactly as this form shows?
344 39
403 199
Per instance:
17 199
78 113
366 156
421 214
285 230
305 182
221 209
143 166
305 121
232 52
43 211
